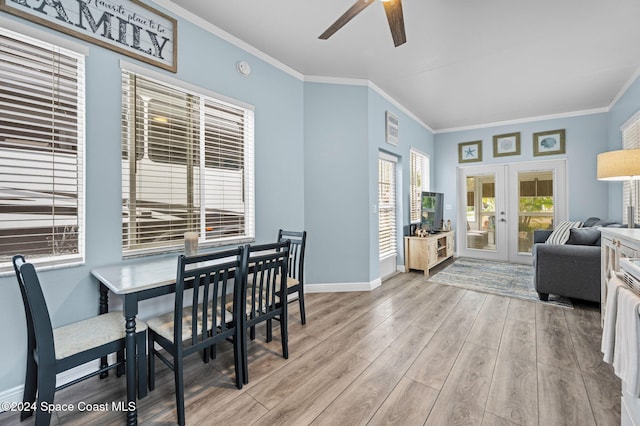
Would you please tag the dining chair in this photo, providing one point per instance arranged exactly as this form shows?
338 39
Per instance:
264 288
216 279
295 270
54 350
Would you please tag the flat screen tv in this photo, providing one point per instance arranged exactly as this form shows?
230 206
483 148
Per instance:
432 211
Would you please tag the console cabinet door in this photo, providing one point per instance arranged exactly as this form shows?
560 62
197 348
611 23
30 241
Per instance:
417 256
449 246
432 245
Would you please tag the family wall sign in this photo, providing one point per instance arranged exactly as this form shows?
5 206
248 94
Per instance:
125 26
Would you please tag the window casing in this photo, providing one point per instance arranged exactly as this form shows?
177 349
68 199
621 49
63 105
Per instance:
192 169
631 189
42 141
418 182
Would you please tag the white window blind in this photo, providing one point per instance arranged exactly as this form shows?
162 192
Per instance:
386 207
187 164
418 182
631 192
41 152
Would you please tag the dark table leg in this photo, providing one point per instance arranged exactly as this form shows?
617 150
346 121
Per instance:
104 308
130 312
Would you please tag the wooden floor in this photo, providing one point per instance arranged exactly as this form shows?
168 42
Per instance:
408 353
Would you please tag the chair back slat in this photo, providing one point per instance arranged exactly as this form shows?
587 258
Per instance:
212 277
268 264
296 253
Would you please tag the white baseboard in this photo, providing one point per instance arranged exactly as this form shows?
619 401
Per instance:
342 287
14 395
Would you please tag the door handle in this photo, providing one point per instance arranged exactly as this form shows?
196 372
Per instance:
503 220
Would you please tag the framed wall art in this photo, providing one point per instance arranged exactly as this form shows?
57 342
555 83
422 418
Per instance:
549 143
470 152
392 128
507 144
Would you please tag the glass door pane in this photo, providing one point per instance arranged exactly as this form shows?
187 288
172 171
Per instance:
481 212
482 220
536 206
537 200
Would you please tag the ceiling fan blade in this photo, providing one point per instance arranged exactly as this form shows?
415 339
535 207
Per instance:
358 7
393 9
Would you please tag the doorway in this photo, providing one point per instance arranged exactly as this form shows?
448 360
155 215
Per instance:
502 205
387 217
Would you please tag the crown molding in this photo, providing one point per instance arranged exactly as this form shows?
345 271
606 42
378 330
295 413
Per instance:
398 105
178 10
624 88
370 84
525 120
336 80
195 19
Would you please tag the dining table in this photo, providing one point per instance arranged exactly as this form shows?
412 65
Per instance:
135 281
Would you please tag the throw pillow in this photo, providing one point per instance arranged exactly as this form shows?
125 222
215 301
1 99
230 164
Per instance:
592 221
583 236
560 234
606 222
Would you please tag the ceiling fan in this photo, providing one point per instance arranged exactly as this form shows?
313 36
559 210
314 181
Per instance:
393 9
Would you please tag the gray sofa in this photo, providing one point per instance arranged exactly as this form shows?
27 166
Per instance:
571 269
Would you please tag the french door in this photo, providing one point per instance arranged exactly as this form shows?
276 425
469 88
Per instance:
501 205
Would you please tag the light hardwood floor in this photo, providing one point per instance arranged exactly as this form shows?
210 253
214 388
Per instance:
407 353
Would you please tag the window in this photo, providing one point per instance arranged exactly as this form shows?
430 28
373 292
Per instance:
419 181
41 152
192 169
631 192
387 206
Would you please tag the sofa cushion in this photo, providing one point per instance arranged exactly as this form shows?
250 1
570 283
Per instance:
560 234
584 236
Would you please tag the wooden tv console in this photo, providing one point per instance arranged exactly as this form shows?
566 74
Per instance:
423 253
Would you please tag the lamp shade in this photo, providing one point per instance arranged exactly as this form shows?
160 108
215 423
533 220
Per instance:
623 164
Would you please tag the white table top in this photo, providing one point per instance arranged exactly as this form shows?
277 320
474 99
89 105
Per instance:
126 278
145 274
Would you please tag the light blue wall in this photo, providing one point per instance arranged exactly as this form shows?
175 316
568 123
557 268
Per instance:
208 62
344 133
412 134
586 136
627 106
336 183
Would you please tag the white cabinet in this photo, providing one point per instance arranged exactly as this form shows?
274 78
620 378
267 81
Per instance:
618 243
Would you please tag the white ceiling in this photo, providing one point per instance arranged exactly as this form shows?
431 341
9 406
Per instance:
465 63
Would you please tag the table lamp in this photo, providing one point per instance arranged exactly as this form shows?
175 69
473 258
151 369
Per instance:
621 165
